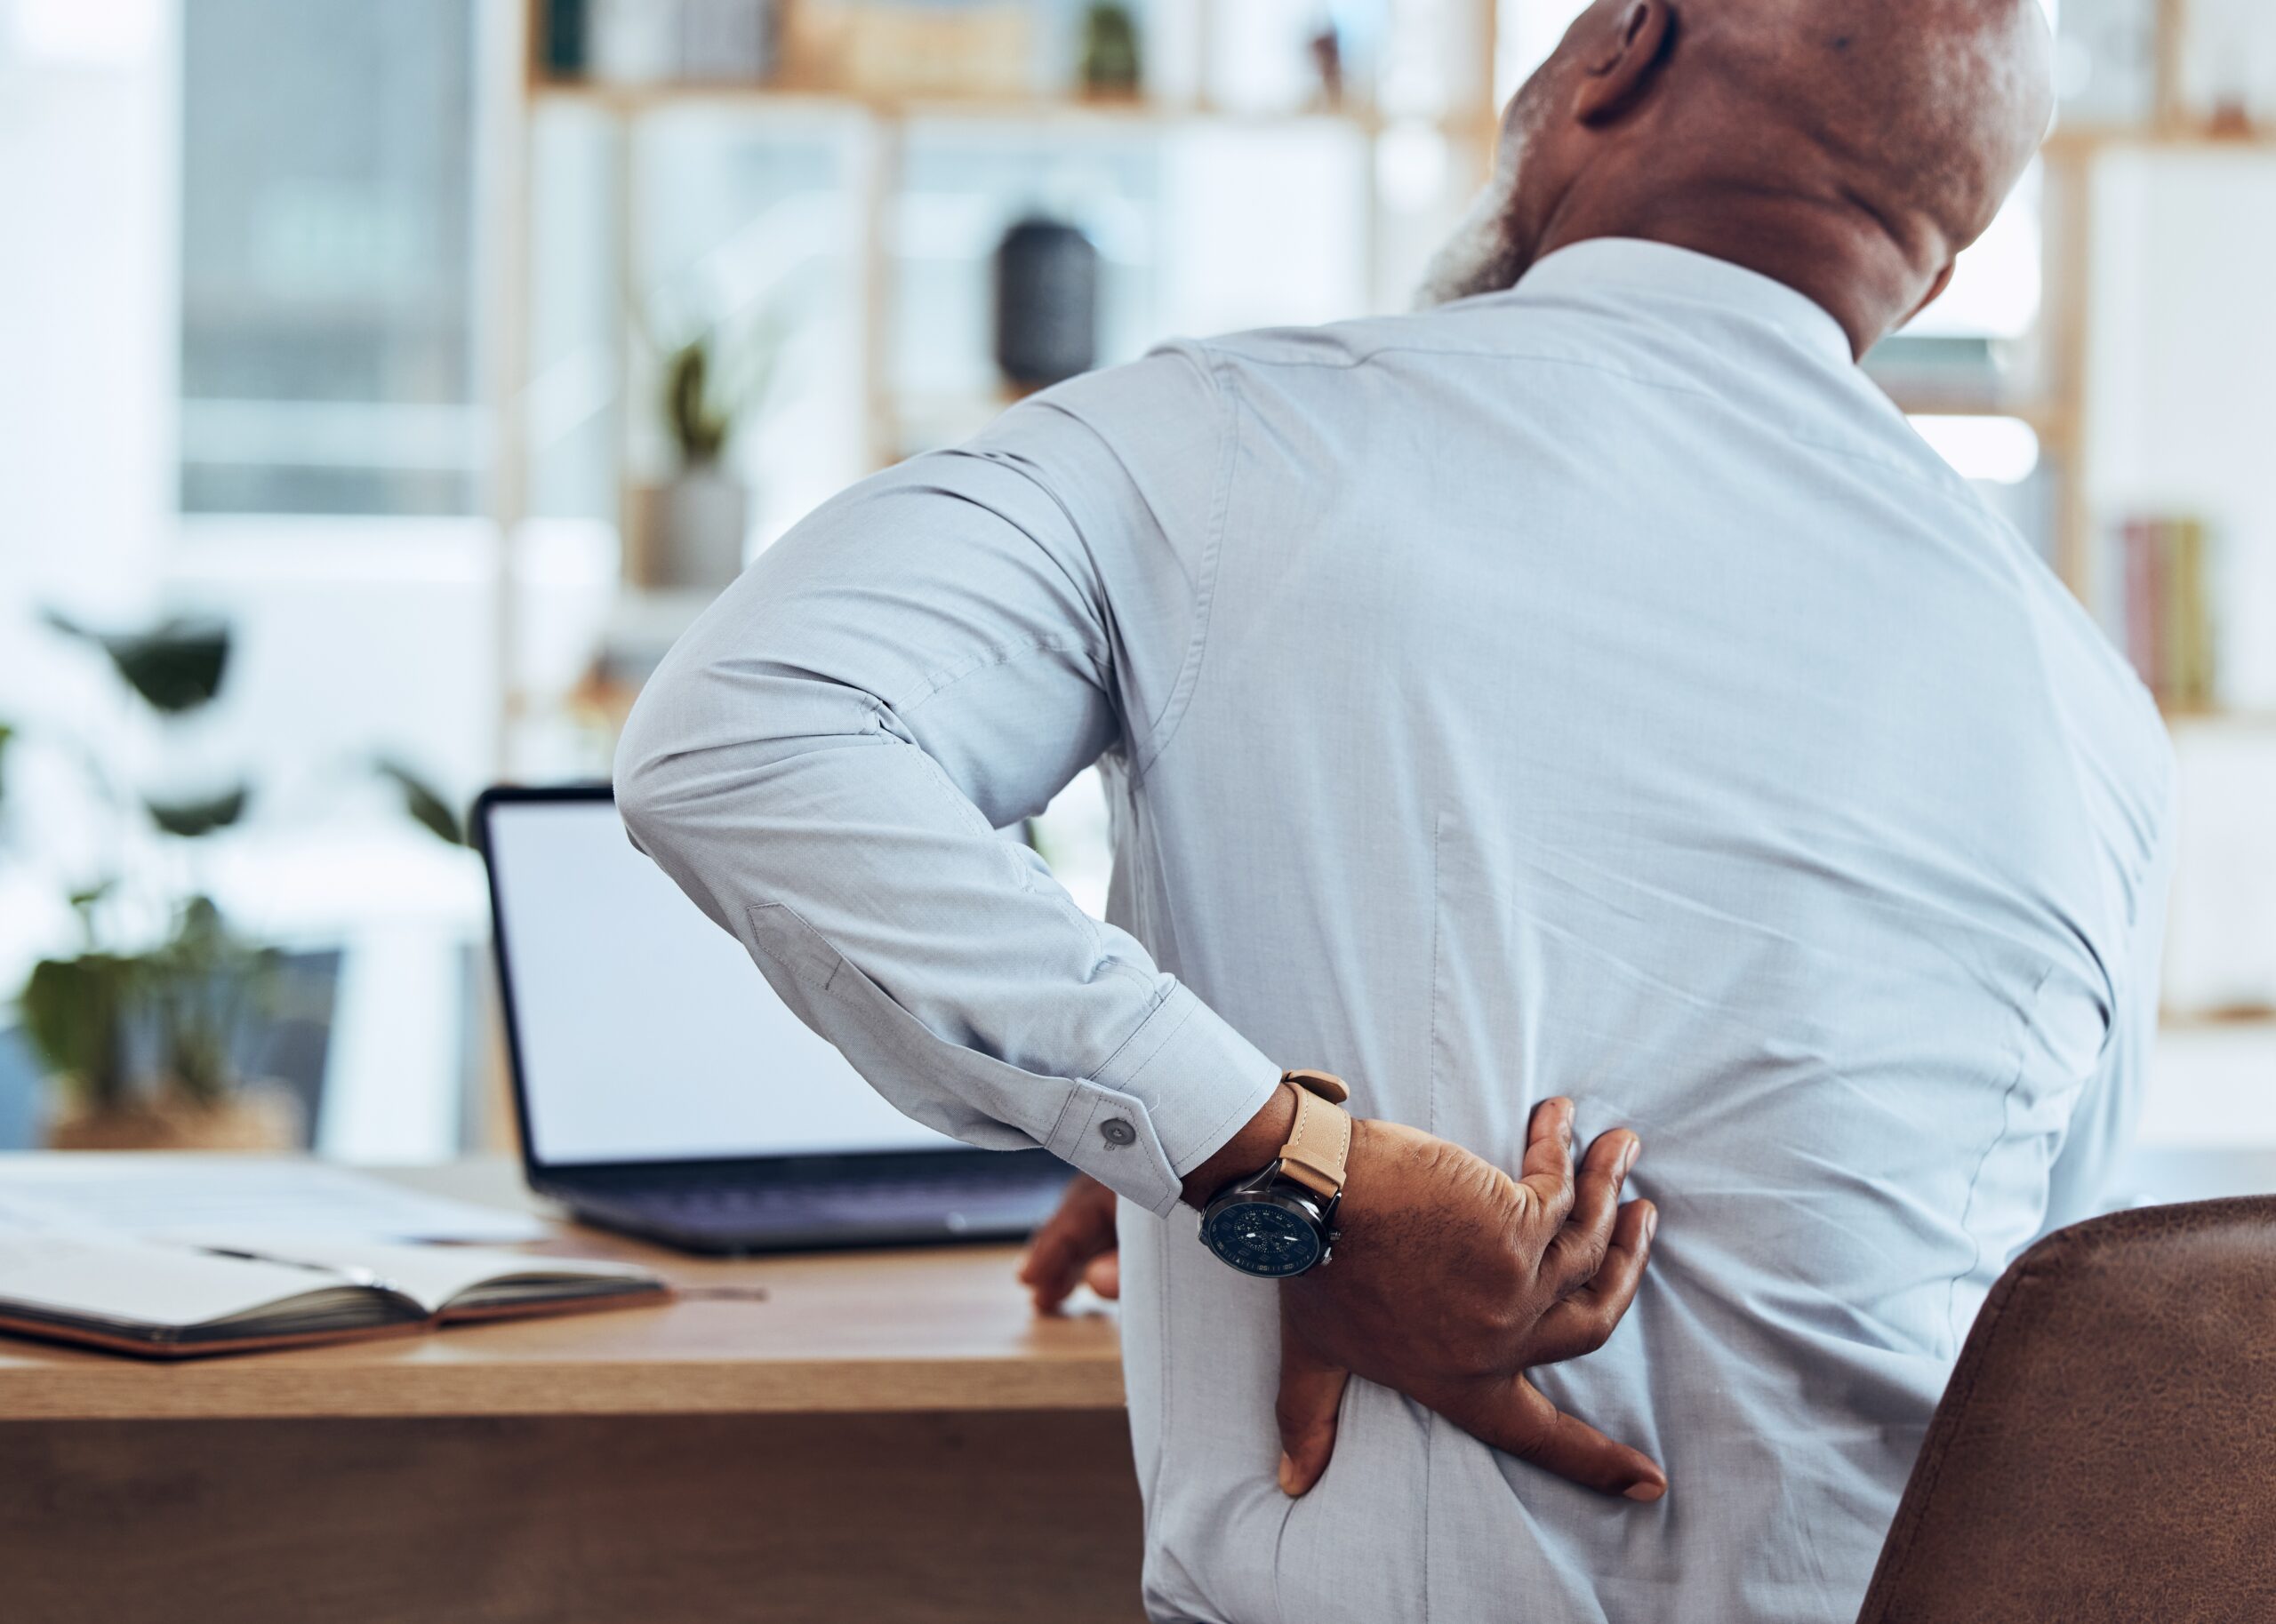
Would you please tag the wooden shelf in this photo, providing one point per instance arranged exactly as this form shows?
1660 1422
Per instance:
2086 143
635 100
2253 1021
2217 716
2049 419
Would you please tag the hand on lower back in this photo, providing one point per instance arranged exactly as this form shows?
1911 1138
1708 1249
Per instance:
1452 1279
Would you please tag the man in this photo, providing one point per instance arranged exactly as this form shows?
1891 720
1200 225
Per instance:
1584 706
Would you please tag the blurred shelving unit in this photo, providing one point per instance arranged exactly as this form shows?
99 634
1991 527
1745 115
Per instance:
1369 106
888 118
2220 1022
2216 1047
2055 404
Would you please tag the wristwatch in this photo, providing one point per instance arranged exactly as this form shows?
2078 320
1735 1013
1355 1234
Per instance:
1281 1221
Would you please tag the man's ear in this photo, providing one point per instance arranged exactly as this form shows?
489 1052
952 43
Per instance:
1618 70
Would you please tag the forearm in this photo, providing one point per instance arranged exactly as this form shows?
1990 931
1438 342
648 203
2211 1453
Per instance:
821 766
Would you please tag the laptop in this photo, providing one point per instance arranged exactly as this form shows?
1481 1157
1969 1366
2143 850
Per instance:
661 1087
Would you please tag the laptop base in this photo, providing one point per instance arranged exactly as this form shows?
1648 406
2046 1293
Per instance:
726 1219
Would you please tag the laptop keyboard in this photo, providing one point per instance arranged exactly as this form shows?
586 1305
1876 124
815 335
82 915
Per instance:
723 1204
918 1205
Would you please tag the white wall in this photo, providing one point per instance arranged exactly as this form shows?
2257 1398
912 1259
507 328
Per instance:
87 344
1263 227
86 364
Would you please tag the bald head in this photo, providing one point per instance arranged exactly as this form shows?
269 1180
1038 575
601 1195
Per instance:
1848 148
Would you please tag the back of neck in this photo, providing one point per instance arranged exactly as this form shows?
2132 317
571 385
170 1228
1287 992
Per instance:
1833 253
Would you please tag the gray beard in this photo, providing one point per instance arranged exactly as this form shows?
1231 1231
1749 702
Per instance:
1478 257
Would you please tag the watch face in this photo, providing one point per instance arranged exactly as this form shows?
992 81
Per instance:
1262 1237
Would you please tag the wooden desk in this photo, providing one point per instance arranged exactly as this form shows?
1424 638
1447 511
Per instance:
864 1437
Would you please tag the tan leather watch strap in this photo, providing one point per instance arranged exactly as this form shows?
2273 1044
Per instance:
1320 1141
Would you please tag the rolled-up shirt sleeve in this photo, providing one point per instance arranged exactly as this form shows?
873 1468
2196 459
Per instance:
823 761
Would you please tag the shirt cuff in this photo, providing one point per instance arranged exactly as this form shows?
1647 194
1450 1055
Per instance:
1199 1080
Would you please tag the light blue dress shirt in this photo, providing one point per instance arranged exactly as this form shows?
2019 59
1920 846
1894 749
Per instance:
1595 688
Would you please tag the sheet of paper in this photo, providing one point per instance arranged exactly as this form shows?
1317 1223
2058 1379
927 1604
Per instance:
434 1274
163 1195
120 1279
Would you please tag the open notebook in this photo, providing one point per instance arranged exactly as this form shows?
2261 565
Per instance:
229 1293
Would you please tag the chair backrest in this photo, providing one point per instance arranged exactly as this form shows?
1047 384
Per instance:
2106 1450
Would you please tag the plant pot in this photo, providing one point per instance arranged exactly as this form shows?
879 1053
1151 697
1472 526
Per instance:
689 531
255 1116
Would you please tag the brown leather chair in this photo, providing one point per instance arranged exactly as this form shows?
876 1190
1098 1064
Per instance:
2107 1448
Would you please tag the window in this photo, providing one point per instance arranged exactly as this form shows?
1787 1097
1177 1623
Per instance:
328 258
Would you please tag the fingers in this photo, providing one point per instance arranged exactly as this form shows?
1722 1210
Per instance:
1546 1174
1067 1242
1584 1321
1312 1393
1103 1275
1514 1417
1578 1249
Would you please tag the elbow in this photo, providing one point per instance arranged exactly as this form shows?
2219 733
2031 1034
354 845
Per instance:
644 775
714 738
696 747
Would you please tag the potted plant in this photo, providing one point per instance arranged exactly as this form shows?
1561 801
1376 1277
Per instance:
1110 61
146 1047
146 1029
689 531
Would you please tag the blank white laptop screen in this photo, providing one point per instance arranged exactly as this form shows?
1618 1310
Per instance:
646 1033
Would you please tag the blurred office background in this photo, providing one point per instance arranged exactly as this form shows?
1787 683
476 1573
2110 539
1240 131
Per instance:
383 384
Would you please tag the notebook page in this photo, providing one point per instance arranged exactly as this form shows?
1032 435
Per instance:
432 1275
98 1276
169 1194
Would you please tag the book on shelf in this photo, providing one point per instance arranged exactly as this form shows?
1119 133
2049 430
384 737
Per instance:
226 1294
658 41
2163 618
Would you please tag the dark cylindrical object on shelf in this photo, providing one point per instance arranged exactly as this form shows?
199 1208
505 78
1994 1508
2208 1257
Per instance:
1046 302
565 39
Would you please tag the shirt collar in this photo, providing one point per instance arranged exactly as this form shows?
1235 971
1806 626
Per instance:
1661 267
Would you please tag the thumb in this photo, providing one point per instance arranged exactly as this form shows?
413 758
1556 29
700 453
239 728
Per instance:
1311 1392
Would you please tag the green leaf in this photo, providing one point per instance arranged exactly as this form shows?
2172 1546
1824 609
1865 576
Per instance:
1111 59
420 801
201 924
191 819
88 896
176 666
699 423
205 985
75 1013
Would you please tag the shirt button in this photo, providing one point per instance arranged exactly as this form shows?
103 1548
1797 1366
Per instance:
1117 1131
